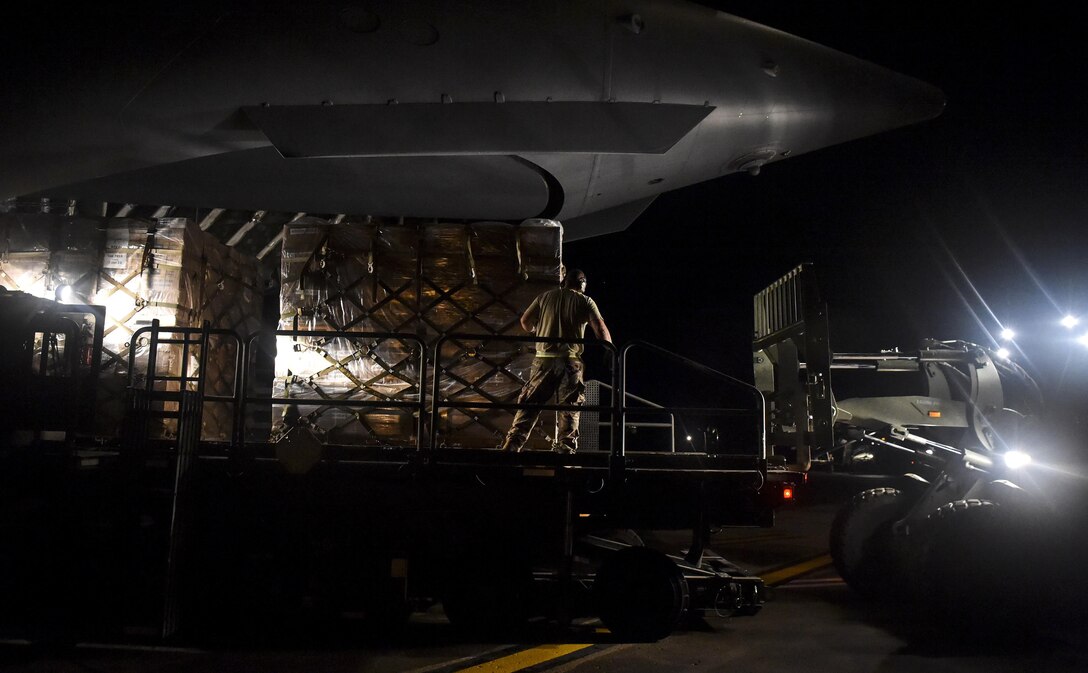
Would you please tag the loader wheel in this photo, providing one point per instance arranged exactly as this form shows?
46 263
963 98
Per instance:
863 545
641 594
488 597
977 572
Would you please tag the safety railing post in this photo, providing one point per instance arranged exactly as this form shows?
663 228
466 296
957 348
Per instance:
241 385
418 408
437 404
434 415
761 399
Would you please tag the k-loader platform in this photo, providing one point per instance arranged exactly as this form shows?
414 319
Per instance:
161 533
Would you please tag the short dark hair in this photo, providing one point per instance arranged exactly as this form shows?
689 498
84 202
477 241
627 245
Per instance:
571 280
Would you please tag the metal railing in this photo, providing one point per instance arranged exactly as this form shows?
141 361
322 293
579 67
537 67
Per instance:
440 372
189 378
692 364
427 409
418 406
651 407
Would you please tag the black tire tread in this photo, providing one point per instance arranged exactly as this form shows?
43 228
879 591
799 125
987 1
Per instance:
860 546
642 595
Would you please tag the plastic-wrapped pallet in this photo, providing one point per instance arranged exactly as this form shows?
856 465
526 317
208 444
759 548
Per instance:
139 270
41 253
427 280
51 256
170 270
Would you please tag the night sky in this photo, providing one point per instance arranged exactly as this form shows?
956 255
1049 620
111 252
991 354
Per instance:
944 229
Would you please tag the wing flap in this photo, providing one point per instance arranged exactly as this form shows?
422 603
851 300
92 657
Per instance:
310 131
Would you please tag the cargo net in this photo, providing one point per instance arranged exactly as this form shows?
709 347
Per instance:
349 369
140 270
484 370
426 280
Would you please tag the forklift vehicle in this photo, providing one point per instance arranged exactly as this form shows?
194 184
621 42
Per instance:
169 535
49 354
957 517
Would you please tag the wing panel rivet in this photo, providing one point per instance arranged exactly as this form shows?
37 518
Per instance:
632 22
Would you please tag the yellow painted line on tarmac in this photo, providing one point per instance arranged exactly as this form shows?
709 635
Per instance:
525 658
786 574
817 583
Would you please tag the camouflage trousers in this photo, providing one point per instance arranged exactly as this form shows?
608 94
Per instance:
551 381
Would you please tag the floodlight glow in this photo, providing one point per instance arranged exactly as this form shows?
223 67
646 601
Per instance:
1070 321
1007 334
689 438
1003 353
65 294
1014 460
299 361
1083 340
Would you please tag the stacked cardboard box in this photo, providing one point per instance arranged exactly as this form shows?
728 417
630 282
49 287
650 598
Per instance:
171 271
428 280
41 253
140 270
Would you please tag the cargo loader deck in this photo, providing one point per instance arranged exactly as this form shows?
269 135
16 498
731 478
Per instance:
194 537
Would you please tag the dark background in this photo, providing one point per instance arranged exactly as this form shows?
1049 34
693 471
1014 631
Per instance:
947 229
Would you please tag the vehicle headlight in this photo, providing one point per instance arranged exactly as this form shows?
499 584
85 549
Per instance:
1014 460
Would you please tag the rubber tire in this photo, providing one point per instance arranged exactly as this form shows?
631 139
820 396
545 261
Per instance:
863 547
386 611
488 598
973 571
641 594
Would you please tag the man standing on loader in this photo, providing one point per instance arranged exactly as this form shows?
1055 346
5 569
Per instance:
557 368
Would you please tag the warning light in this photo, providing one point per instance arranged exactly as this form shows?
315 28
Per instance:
934 414
787 493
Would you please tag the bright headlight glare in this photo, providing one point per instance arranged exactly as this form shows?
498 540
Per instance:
1014 460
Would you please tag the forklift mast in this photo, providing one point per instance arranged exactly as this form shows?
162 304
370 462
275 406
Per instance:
945 397
792 363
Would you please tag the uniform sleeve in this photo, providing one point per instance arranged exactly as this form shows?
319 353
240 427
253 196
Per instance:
534 307
591 310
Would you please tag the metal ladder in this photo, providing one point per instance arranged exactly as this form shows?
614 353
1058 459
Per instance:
167 475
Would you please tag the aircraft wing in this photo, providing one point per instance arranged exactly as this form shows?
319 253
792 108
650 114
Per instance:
468 110
436 129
